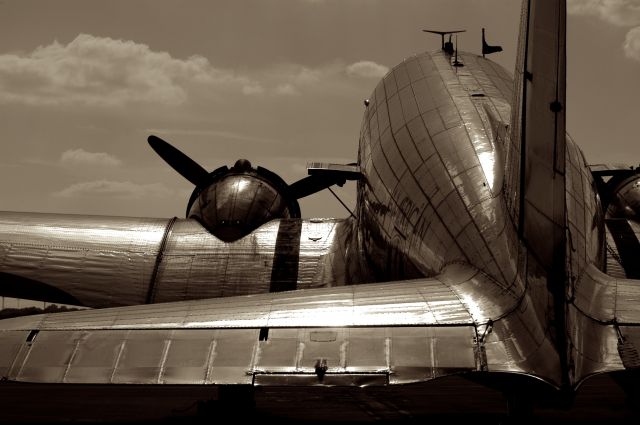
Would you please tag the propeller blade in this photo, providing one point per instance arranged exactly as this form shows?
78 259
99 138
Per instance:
185 166
312 184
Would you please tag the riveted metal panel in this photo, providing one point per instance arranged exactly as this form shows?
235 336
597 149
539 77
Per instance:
411 355
279 352
233 356
82 255
48 357
141 357
368 350
11 344
188 357
325 344
96 356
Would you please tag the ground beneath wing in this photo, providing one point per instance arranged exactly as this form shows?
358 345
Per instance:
375 334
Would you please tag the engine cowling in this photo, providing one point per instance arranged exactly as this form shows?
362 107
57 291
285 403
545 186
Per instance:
625 199
237 201
232 202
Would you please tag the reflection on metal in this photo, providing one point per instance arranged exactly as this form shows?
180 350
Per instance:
626 198
239 201
102 269
394 329
478 245
603 319
431 328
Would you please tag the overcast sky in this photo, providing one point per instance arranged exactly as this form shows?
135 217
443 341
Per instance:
280 82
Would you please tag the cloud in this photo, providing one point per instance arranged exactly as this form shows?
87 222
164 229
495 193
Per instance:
618 12
114 189
105 72
252 89
286 89
622 13
102 71
294 79
632 44
82 157
367 69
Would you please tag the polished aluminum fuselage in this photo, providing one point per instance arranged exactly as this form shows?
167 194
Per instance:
433 152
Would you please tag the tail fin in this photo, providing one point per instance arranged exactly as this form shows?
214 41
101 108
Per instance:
487 49
535 173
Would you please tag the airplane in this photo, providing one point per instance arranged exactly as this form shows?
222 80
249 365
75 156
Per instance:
483 245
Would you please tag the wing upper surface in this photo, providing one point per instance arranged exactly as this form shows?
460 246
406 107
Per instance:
389 333
421 302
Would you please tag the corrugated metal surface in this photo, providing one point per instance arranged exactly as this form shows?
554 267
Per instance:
405 331
352 356
110 261
101 261
421 302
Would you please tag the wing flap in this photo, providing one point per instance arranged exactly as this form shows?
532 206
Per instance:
300 356
359 335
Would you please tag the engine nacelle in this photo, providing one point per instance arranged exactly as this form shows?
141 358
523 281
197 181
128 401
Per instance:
241 199
625 199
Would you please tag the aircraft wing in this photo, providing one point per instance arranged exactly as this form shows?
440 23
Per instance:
374 334
101 261
604 319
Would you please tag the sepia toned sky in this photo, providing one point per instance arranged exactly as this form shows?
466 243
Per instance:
280 82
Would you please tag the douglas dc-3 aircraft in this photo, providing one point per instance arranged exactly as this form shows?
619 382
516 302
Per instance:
482 245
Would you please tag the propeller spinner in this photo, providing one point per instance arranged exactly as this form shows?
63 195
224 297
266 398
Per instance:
232 202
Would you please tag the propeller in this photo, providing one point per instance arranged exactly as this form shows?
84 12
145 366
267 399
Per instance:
192 171
185 166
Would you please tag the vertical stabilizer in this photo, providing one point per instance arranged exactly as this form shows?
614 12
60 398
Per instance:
535 174
488 49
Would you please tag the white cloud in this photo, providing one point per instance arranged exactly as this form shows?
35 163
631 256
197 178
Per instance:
617 12
632 44
82 157
367 69
292 79
623 13
114 189
103 71
286 89
252 89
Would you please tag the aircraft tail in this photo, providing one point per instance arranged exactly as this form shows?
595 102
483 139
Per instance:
488 49
535 154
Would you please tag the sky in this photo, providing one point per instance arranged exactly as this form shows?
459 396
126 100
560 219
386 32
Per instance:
83 83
